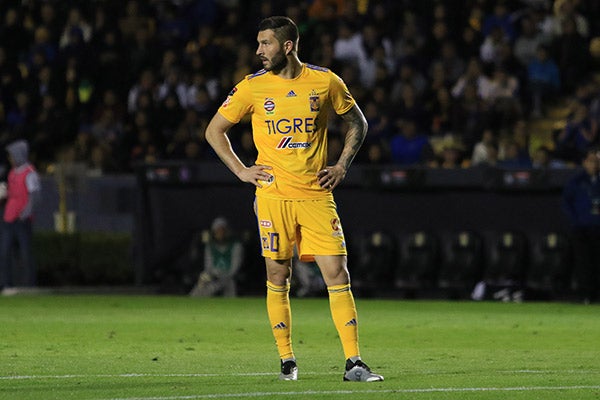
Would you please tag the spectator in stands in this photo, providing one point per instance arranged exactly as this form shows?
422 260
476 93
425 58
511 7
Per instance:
173 29
504 100
500 18
543 159
469 116
410 107
519 135
12 27
410 40
572 55
145 86
581 203
378 54
473 76
440 111
175 148
470 45
452 63
527 43
579 134
544 80
512 158
490 49
348 46
408 76
452 153
223 257
193 151
145 148
169 115
76 28
173 84
107 128
485 152
141 52
22 195
134 20
379 125
377 154
101 161
567 9
409 147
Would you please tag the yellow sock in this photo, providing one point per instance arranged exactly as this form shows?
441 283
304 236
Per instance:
280 316
343 312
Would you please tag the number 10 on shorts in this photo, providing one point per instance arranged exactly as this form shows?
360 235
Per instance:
271 241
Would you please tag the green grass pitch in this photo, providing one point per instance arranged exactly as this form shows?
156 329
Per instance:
170 348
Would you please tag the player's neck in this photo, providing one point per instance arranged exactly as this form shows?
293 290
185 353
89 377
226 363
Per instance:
292 69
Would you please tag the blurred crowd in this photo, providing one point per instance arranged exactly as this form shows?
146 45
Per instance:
110 83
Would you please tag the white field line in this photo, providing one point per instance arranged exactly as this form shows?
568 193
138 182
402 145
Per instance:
241 374
354 392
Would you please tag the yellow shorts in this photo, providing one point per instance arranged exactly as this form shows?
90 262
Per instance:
312 225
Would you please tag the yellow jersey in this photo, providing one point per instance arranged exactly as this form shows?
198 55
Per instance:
289 126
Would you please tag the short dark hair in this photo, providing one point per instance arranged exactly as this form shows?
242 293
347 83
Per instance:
283 27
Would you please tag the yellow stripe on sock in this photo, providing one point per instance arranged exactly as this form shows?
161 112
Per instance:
338 288
278 289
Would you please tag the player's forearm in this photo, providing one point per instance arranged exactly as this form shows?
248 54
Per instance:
357 130
222 146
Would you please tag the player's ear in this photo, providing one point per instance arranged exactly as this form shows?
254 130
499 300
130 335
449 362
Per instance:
288 46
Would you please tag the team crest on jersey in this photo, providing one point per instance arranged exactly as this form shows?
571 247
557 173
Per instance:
314 101
269 105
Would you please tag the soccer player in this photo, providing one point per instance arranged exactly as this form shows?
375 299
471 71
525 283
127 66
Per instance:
289 102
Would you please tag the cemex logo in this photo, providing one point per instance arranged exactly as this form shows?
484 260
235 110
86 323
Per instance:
286 143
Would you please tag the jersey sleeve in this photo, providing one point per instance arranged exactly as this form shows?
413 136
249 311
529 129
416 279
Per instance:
238 102
341 99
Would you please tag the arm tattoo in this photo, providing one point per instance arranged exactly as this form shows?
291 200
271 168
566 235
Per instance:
357 130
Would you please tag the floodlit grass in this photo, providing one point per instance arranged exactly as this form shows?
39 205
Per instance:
134 347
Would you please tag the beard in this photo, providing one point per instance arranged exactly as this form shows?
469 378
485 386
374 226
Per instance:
277 63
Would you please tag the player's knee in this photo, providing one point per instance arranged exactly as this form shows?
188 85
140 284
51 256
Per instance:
278 272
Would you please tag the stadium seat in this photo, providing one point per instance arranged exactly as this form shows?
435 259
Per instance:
549 272
418 263
372 266
507 260
461 264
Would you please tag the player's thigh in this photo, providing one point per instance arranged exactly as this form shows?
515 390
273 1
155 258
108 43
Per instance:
320 229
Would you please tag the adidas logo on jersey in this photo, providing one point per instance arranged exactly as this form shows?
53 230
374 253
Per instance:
352 322
291 93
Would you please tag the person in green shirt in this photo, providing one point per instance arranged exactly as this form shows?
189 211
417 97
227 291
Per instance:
223 256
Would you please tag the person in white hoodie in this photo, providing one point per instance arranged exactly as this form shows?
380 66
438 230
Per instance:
22 194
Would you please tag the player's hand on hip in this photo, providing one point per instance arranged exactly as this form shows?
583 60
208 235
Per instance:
331 176
256 173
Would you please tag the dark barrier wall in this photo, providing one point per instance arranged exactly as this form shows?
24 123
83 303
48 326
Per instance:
101 204
445 210
178 200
